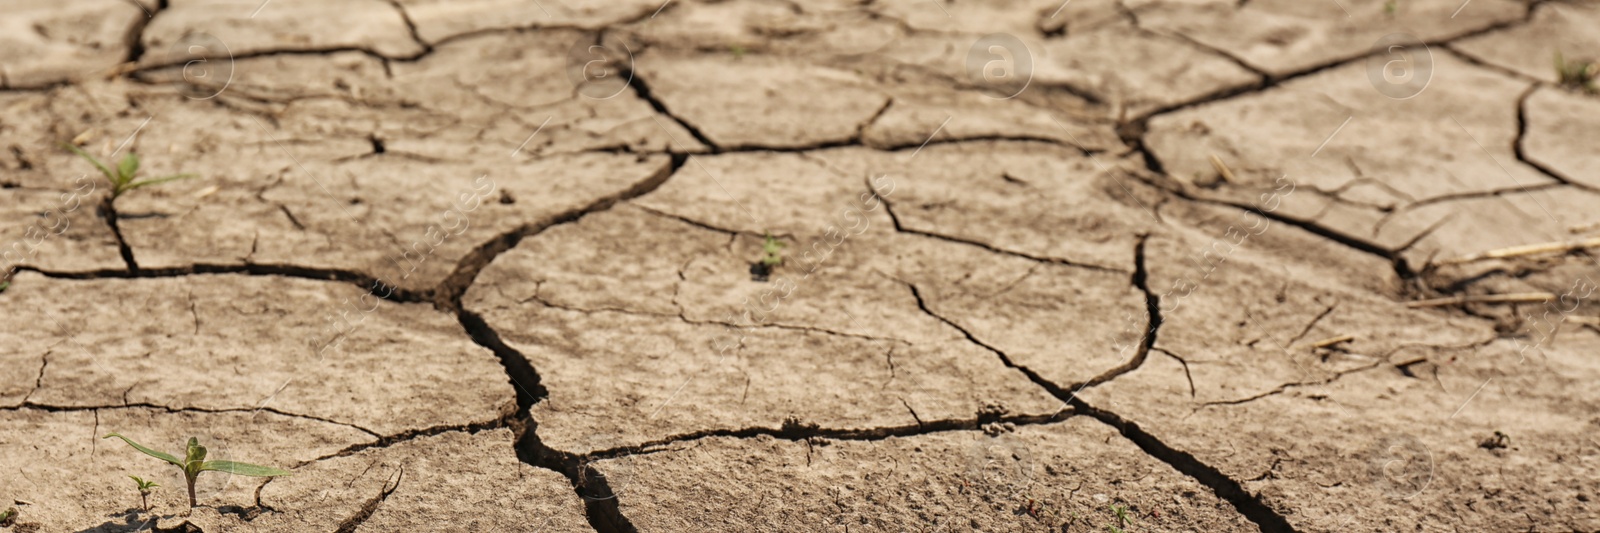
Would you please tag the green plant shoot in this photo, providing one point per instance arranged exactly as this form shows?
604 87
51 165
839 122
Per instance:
1122 515
1578 74
144 491
123 178
772 251
194 462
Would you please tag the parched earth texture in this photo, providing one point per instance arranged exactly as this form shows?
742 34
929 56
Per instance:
1095 265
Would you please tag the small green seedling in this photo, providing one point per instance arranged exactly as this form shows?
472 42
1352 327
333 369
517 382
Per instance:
772 251
771 257
123 177
144 491
194 462
8 516
738 51
1577 74
1122 515
4 285
1391 6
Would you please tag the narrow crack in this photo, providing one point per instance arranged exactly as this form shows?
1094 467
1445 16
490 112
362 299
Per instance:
1152 303
1185 363
888 358
349 525
38 381
895 219
861 129
293 220
686 320
1071 89
642 90
1401 267
1522 154
902 147
792 430
1261 75
857 139
1055 390
1475 61
1381 361
1139 279
375 286
1475 195
135 37
698 224
391 440
449 292
1250 505
49 408
1312 324
913 412
998 137
108 210
1280 389
94 436
411 27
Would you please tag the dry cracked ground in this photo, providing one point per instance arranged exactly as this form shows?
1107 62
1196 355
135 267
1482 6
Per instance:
1097 265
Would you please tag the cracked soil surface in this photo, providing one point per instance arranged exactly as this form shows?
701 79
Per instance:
1100 265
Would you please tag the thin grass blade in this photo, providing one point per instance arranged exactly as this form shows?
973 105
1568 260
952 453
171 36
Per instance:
243 469
158 455
92 161
153 181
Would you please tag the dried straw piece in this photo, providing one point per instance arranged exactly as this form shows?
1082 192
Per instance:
1527 249
1520 297
1324 343
1222 169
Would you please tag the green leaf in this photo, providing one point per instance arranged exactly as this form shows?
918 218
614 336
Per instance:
158 455
196 452
128 166
153 181
92 160
243 469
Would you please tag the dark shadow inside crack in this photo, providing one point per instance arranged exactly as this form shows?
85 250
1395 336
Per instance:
1225 487
600 504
